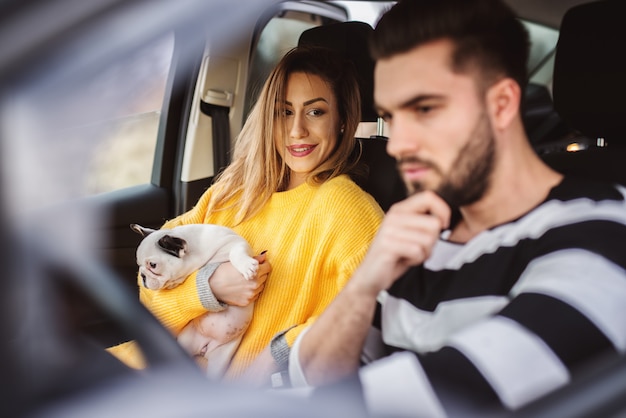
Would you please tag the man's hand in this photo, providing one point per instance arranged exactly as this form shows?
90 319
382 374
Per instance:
330 349
229 286
260 371
406 237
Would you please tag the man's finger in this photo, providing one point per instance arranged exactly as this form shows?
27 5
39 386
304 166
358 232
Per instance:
428 203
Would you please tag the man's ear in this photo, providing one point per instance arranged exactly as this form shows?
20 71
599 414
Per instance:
503 102
173 245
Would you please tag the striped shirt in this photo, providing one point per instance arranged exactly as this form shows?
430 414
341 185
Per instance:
509 316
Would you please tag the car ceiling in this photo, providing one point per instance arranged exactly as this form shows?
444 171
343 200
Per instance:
547 12
34 34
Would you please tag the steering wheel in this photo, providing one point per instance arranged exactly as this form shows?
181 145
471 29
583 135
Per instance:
56 374
47 359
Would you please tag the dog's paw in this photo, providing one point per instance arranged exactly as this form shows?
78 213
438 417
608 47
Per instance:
248 267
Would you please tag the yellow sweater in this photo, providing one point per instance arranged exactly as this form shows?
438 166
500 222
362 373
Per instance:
315 237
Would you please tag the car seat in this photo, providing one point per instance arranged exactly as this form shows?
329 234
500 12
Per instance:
589 89
351 39
544 127
590 95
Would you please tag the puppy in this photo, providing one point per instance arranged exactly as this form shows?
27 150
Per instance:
167 256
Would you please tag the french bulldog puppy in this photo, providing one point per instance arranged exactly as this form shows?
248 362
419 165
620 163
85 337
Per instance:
166 257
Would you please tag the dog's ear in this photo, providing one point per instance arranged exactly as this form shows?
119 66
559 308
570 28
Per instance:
141 230
173 245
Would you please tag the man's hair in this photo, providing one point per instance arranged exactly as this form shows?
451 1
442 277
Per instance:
486 33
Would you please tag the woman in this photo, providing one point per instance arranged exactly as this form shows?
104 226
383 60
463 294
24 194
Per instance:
287 191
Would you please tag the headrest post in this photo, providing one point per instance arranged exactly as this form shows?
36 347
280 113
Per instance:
380 127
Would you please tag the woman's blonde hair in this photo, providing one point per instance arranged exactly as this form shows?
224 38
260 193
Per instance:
257 170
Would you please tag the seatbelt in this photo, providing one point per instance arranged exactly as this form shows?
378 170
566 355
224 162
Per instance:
220 127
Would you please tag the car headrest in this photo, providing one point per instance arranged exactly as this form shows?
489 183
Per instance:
590 71
351 40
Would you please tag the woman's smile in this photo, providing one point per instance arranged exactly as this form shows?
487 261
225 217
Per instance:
301 150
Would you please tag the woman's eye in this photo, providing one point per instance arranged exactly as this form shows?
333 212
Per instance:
284 112
316 112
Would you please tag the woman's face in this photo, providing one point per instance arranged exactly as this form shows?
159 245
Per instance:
312 120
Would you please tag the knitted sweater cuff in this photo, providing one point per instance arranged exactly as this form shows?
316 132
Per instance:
280 349
207 298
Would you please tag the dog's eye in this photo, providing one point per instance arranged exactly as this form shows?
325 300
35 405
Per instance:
153 264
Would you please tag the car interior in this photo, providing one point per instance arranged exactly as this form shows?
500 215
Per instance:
588 89
55 364
350 39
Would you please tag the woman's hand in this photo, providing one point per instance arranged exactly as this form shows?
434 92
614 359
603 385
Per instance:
229 286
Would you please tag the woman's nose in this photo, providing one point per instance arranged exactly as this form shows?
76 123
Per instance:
298 127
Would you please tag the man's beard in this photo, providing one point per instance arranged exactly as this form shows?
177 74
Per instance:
470 173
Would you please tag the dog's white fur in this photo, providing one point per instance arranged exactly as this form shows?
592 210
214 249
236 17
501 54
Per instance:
167 256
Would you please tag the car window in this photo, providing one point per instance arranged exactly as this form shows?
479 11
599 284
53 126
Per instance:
368 12
123 153
541 60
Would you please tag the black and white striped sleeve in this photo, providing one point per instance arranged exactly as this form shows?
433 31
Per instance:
566 308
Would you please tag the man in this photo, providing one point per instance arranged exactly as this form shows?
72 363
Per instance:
497 278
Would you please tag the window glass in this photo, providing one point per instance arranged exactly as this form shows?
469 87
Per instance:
542 46
123 152
84 126
368 12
